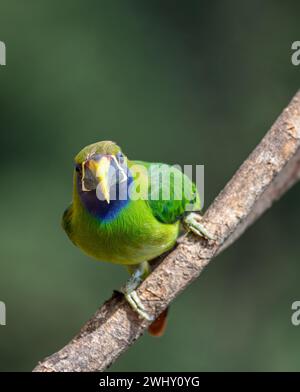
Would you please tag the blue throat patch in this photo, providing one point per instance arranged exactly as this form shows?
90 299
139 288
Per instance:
101 209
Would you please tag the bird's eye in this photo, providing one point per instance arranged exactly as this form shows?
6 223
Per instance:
78 168
120 157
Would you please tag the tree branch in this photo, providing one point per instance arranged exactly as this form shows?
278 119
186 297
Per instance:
271 169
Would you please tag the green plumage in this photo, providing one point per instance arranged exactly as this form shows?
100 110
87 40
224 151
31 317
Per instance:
141 229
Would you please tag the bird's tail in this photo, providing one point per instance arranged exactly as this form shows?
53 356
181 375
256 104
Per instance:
157 328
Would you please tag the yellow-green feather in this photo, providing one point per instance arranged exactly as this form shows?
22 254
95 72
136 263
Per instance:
135 235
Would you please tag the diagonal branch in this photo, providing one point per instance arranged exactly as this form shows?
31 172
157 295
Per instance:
271 169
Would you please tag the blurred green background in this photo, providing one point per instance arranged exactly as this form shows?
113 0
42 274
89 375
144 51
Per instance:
188 82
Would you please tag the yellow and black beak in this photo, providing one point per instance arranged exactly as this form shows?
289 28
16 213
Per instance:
95 172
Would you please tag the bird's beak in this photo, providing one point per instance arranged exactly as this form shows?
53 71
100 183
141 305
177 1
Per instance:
102 176
96 172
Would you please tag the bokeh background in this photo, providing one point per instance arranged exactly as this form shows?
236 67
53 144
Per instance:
188 82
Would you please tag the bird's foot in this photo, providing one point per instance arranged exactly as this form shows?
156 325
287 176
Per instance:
137 277
193 222
136 304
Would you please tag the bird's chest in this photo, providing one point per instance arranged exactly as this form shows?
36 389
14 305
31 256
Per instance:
130 237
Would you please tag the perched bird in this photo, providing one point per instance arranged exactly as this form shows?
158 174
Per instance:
127 212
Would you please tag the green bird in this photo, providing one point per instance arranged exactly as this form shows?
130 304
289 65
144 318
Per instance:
129 212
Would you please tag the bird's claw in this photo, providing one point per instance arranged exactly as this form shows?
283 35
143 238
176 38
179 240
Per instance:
134 301
193 223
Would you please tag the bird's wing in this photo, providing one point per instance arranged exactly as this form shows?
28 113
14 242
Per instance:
170 192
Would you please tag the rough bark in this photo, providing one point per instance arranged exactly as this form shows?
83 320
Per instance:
271 169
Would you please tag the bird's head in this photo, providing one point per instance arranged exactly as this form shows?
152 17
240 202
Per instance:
100 166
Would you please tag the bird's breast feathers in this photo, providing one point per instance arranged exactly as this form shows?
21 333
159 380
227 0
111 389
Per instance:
133 236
